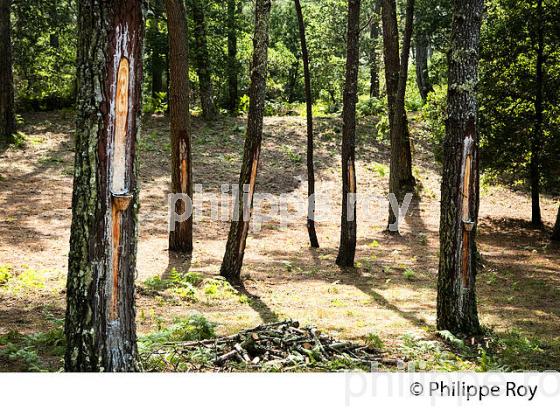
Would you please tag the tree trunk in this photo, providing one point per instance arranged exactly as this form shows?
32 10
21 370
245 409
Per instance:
203 61
401 180
158 62
232 66
235 247
556 230
456 301
347 248
422 78
100 315
373 57
180 238
309 104
536 141
7 111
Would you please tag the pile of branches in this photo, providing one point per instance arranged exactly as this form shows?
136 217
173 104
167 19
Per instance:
280 346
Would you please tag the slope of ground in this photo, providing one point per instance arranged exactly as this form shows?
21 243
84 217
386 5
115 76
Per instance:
391 293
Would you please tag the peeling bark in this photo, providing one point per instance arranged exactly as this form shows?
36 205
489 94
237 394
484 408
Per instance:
347 248
180 239
235 247
7 110
456 302
100 316
309 104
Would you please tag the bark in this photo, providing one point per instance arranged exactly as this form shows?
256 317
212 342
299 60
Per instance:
401 180
556 230
180 239
100 316
309 104
158 60
7 110
347 248
422 78
456 301
239 228
202 61
373 56
536 141
233 65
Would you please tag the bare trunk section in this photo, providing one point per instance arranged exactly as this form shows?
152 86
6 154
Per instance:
373 55
422 78
180 239
100 316
536 141
347 248
556 231
235 247
232 67
158 61
202 61
401 180
456 302
309 104
7 110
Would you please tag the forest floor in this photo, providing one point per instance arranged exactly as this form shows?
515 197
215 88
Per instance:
390 296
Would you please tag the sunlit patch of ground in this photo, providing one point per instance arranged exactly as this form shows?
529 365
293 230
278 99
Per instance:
390 293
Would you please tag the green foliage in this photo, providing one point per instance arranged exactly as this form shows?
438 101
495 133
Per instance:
409 274
182 285
44 49
507 91
5 274
292 155
371 106
434 113
193 327
373 341
28 280
28 352
157 104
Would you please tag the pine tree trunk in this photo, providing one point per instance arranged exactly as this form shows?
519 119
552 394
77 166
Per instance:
347 248
456 301
536 141
556 230
203 61
180 239
232 66
422 78
401 180
158 62
309 104
373 57
235 247
7 111
100 316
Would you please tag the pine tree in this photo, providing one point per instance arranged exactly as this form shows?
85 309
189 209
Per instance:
309 105
401 180
348 225
456 301
7 110
239 228
100 315
202 61
180 238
